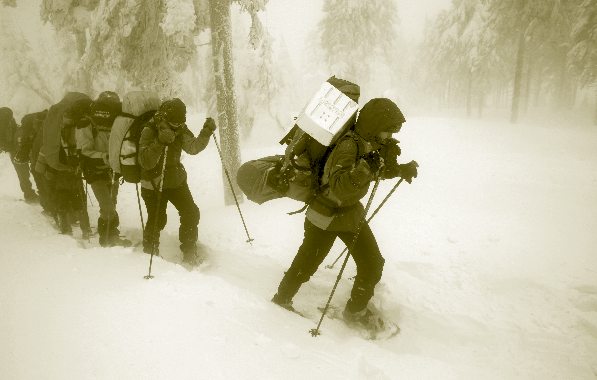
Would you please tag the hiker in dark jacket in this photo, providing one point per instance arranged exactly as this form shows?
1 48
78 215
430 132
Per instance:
59 160
43 187
337 212
93 137
167 129
10 140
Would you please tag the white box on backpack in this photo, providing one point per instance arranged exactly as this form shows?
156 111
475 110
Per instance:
327 115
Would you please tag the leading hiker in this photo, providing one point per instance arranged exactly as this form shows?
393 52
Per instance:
167 132
356 161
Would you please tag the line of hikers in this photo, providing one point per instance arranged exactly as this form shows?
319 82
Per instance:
141 140
79 138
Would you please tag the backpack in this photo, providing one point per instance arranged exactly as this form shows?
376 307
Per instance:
129 147
322 124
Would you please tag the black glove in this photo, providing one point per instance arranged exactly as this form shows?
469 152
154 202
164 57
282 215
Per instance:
209 126
390 151
373 159
408 171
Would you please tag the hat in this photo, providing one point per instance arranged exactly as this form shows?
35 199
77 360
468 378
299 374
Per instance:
174 111
78 109
5 114
349 89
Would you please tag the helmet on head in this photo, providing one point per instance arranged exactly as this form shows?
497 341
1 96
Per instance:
108 96
349 89
173 111
378 115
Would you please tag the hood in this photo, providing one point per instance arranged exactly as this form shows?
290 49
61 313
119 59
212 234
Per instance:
378 115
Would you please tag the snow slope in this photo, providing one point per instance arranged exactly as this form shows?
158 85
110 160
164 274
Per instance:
491 273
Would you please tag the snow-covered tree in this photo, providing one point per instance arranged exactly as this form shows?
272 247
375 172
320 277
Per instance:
73 16
358 36
20 74
583 55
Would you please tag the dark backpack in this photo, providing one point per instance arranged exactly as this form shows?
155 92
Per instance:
296 174
129 148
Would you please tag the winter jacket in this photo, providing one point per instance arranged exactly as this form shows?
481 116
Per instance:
347 175
93 142
345 180
7 133
39 137
52 129
151 157
23 139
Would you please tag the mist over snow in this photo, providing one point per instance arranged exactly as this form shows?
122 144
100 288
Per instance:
491 273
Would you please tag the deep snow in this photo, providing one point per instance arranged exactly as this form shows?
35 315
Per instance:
491 273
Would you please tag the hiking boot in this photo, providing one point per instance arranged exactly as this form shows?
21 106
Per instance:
285 303
31 198
63 223
366 319
189 253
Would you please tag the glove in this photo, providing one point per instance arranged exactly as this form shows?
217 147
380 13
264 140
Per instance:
165 134
373 159
408 171
209 126
107 159
390 151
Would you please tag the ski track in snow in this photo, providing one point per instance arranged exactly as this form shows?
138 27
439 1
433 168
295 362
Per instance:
491 272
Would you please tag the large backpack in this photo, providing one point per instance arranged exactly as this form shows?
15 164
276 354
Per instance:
138 107
129 148
323 123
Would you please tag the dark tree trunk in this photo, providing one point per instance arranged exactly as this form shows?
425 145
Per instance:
595 122
83 79
560 98
517 78
481 102
527 85
469 96
221 30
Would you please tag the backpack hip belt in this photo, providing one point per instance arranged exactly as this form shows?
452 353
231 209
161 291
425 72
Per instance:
326 208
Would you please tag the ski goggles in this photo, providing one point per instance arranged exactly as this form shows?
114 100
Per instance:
176 125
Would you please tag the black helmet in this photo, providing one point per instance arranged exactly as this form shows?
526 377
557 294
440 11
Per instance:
378 115
108 96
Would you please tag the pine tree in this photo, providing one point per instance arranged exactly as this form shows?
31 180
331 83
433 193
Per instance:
18 67
357 36
583 55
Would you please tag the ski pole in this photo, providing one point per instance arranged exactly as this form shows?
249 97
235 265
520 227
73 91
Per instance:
315 332
368 220
155 225
232 188
140 212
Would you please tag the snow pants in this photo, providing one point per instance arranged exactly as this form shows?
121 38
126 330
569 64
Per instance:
188 211
24 179
106 195
45 193
315 247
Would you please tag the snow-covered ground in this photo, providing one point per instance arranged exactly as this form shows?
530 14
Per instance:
491 273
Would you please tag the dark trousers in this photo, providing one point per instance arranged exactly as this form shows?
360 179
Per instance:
44 190
24 179
317 244
188 211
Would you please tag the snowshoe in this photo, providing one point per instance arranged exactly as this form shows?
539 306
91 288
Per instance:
286 304
369 324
